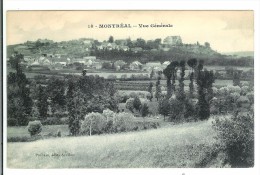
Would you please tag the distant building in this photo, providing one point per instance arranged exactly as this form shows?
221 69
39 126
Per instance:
153 64
97 65
166 63
172 40
92 58
79 60
137 49
124 48
119 64
136 65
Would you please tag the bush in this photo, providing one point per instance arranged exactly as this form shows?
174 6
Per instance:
236 139
34 127
130 104
12 122
124 122
133 95
94 123
244 90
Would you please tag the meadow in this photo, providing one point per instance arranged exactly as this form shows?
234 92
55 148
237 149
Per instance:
176 146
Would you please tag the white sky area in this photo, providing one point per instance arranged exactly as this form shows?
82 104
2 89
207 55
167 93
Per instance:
226 31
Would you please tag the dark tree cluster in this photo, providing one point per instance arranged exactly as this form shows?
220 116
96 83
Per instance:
181 105
53 98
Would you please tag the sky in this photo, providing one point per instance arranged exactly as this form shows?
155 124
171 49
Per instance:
226 31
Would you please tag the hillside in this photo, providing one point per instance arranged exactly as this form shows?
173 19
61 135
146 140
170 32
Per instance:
183 145
126 50
240 54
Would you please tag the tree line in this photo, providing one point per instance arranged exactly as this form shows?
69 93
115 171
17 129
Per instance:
180 104
72 95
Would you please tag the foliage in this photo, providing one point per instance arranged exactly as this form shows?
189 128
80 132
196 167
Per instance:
164 107
158 90
205 79
73 99
108 122
137 103
94 123
144 110
34 127
42 103
51 121
124 122
12 122
130 104
176 109
236 139
56 92
18 92
150 89
236 78
168 74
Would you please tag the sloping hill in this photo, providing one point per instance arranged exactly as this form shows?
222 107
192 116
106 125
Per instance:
183 145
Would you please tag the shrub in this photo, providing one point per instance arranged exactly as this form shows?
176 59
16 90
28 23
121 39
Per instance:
250 96
108 114
94 123
12 122
215 91
236 139
234 89
124 122
133 95
130 104
137 103
224 91
34 127
244 90
122 97
111 77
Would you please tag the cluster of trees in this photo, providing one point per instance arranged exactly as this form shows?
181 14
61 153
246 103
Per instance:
76 96
180 104
134 104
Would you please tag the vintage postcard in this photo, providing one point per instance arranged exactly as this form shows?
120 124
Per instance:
130 89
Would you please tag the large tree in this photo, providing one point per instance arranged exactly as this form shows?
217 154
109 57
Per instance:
158 90
173 66
205 79
168 74
18 92
192 63
42 103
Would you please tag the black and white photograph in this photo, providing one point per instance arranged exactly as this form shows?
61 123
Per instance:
102 89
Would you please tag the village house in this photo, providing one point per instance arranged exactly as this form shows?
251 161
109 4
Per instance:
165 64
79 60
97 64
124 48
156 66
172 41
136 65
92 58
119 64
28 59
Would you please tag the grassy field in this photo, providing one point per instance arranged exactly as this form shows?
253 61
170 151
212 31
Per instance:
22 132
186 82
183 145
